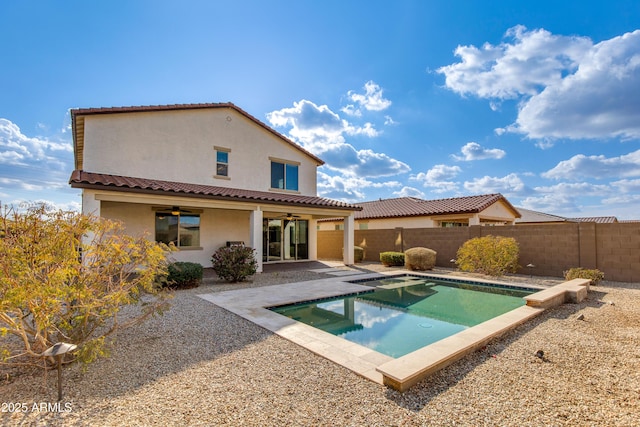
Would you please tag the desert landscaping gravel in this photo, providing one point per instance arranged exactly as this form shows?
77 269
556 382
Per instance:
199 365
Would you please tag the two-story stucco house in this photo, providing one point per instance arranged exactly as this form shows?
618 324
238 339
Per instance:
202 176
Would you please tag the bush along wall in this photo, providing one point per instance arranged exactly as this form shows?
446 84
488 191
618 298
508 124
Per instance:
183 275
390 259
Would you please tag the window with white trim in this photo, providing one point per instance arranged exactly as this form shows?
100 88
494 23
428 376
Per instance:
284 175
183 230
222 162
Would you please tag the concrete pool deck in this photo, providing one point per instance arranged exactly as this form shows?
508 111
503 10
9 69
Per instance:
400 373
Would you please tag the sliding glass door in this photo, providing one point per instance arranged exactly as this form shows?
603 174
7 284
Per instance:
285 239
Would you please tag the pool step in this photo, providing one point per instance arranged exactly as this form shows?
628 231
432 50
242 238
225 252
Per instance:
573 291
403 283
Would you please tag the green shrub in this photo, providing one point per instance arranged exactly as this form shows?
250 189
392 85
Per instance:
234 263
184 275
582 273
491 255
391 258
358 254
419 259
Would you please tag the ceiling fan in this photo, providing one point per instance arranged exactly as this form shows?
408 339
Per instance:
289 216
177 210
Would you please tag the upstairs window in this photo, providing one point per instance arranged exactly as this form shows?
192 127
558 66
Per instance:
284 176
222 161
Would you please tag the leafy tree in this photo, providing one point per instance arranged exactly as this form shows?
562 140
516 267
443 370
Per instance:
65 276
491 255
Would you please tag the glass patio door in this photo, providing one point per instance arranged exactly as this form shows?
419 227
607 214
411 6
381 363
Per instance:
285 239
271 240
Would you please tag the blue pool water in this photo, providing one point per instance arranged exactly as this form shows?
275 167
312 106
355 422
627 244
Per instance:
405 313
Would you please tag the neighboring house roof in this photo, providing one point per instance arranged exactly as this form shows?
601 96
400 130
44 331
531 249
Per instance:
82 179
529 216
77 123
597 219
412 206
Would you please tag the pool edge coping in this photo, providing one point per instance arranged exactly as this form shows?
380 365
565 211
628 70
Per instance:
251 304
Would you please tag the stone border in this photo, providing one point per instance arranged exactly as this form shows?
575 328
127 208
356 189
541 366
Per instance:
400 373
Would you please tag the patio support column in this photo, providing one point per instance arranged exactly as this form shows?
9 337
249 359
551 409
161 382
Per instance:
255 235
313 239
348 240
90 206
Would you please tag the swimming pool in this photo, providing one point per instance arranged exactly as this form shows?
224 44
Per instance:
404 313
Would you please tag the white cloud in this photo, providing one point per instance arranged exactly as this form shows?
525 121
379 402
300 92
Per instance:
309 122
322 132
31 166
439 178
371 100
367 130
19 149
595 101
533 60
598 167
567 86
348 188
550 203
351 110
510 185
409 192
563 197
474 151
627 186
573 189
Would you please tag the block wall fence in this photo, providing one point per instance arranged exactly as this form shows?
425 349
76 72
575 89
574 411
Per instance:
552 249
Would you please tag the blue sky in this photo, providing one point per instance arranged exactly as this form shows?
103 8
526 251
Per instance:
538 100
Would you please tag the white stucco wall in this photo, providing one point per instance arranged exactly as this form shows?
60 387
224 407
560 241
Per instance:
216 228
382 224
498 211
179 146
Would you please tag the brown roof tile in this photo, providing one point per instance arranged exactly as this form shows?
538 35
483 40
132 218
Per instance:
597 219
82 179
411 206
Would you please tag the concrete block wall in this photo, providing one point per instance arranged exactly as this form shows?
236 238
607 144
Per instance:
552 249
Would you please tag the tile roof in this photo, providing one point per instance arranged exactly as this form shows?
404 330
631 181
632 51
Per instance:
596 219
530 217
82 179
411 206
77 121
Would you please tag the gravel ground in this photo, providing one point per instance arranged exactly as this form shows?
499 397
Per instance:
200 365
